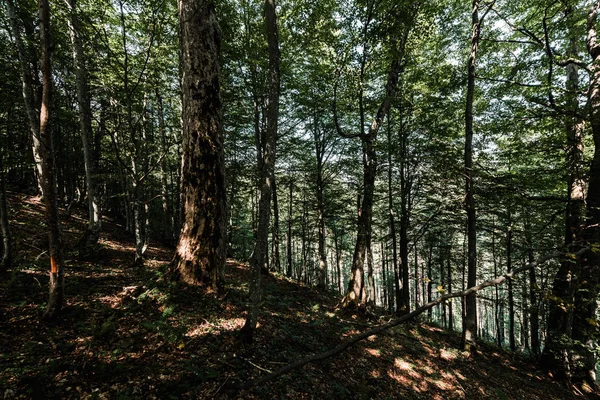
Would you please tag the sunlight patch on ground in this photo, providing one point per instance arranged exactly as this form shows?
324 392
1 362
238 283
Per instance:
374 352
448 355
231 324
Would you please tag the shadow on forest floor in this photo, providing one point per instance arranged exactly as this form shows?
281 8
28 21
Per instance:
125 333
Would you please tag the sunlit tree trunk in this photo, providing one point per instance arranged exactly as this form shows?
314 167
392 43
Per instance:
200 254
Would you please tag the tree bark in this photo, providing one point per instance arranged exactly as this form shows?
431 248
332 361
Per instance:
267 167
275 260
354 295
6 261
585 324
91 235
30 88
55 299
200 254
167 228
469 335
511 298
289 270
556 355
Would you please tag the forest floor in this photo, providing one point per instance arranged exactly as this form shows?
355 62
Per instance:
127 333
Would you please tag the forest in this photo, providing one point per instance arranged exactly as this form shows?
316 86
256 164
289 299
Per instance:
299 199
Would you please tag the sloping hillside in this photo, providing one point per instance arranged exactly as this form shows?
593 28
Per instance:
127 333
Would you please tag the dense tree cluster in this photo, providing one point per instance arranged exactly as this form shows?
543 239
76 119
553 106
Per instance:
389 151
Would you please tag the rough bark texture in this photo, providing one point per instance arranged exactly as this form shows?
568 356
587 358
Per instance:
267 166
55 299
200 254
470 322
91 236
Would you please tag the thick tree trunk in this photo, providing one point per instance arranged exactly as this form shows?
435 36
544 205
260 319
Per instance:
470 319
200 254
91 235
267 164
56 296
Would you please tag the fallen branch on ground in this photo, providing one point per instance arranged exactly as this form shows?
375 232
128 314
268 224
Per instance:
378 329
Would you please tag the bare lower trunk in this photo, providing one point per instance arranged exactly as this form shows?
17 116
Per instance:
55 299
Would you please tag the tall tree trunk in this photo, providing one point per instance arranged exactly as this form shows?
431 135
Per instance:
56 296
200 254
275 261
30 89
289 271
556 355
449 284
511 299
371 296
533 300
167 228
91 235
6 260
585 324
469 335
397 281
319 141
417 294
354 295
259 258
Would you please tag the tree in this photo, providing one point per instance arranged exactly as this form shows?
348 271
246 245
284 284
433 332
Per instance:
356 292
200 254
57 273
268 143
90 237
